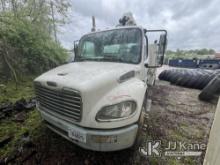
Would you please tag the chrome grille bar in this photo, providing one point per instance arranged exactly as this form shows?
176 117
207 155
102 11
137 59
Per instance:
66 103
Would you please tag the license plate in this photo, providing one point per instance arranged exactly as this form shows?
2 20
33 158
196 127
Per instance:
77 135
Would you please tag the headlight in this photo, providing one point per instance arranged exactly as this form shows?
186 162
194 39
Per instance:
117 111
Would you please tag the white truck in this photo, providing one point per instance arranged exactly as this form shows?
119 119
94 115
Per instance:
97 100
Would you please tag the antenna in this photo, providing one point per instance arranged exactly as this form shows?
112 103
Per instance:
93 24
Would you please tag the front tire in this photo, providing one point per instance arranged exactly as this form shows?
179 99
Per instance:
139 136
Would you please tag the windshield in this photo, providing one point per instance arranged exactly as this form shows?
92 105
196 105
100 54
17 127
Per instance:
121 45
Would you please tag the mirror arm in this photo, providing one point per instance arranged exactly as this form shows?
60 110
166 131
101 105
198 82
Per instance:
147 66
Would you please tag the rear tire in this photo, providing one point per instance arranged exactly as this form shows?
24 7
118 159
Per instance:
211 89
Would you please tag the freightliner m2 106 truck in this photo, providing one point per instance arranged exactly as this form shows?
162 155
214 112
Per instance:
97 100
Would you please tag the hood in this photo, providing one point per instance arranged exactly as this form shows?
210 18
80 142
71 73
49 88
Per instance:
86 75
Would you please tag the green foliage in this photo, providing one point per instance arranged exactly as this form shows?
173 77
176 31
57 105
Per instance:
24 90
31 48
189 54
12 128
9 127
27 46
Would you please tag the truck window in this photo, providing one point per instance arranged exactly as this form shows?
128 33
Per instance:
119 45
88 49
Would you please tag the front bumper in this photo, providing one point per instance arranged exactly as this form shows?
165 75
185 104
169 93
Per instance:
120 138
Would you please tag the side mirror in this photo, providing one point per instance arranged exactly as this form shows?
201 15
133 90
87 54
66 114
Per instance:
76 48
162 48
156 50
153 60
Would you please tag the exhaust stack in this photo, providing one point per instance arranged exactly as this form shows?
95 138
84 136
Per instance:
93 24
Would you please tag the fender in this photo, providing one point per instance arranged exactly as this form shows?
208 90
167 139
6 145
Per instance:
133 89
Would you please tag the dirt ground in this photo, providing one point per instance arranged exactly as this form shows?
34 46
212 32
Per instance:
176 115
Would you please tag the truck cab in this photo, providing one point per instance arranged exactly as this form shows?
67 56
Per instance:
96 100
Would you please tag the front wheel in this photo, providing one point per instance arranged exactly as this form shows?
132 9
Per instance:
141 128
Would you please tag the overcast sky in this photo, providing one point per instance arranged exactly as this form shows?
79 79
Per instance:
191 24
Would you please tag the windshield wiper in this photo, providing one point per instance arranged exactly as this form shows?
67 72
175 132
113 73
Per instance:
79 59
112 58
105 58
88 59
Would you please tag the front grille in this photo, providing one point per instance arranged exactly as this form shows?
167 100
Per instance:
66 104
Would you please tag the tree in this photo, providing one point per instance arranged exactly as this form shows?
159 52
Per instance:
211 51
188 54
26 44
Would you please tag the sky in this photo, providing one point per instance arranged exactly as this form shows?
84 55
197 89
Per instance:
191 24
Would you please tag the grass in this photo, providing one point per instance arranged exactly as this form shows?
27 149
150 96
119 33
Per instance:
8 91
10 128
